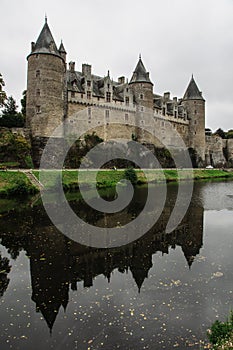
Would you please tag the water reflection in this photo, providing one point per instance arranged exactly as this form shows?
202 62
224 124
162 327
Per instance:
58 264
4 270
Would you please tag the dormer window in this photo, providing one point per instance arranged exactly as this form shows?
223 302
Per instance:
108 96
72 94
127 101
88 95
88 83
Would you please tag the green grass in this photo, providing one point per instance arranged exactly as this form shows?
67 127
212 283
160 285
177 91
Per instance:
109 178
14 184
9 164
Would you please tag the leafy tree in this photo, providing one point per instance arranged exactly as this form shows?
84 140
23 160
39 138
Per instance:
15 148
80 148
220 133
229 134
130 174
2 93
10 107
10 117
23 103
91 140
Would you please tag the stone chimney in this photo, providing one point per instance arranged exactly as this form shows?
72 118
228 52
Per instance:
166 95
72 66
121 80
86 69
33 46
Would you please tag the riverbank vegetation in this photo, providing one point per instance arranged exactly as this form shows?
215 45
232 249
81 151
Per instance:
15 184
221 334
15 150
109 178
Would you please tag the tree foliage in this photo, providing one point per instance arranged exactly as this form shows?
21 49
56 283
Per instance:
10 117
15 148
23 103
229 134
2 92
220 133
224 134
80 148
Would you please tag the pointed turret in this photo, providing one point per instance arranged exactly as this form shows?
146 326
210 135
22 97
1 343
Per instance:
61 48
140 74
62 51
46 104
192 92
45 42
142 89
194 106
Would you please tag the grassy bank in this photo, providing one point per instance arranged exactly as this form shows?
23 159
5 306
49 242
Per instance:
109 178
15 184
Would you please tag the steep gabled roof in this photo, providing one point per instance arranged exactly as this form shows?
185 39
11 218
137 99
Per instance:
192 92
45 42
140 74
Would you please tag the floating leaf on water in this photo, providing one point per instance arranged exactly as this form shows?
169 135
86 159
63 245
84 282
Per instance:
217 274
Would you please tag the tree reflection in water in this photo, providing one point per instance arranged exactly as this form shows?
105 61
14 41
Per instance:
4 270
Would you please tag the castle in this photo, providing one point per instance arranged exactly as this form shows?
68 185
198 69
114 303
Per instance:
57 93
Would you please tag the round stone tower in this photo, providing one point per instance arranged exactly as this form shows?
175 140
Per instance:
142 87
46 97
194 105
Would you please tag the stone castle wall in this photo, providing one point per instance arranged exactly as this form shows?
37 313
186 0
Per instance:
85 103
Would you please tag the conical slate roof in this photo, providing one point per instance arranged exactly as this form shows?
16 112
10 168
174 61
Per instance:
192 92
45 42
140 74
61 48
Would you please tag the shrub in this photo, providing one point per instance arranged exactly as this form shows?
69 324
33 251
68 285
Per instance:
21 187
220 331
130 174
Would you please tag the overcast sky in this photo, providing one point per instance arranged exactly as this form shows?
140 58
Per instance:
175 38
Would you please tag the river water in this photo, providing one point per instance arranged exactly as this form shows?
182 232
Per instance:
162 291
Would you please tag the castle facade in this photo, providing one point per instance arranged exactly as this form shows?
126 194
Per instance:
57 92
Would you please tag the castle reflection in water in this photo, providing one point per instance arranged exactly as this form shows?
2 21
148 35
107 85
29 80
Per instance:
58 264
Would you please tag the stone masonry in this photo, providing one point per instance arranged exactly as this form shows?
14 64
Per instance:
57 93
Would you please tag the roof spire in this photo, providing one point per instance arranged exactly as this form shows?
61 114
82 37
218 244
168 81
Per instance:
192 91
46 18
61 48
140 74
45 42
140 56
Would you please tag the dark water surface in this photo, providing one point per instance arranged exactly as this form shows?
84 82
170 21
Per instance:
160 292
